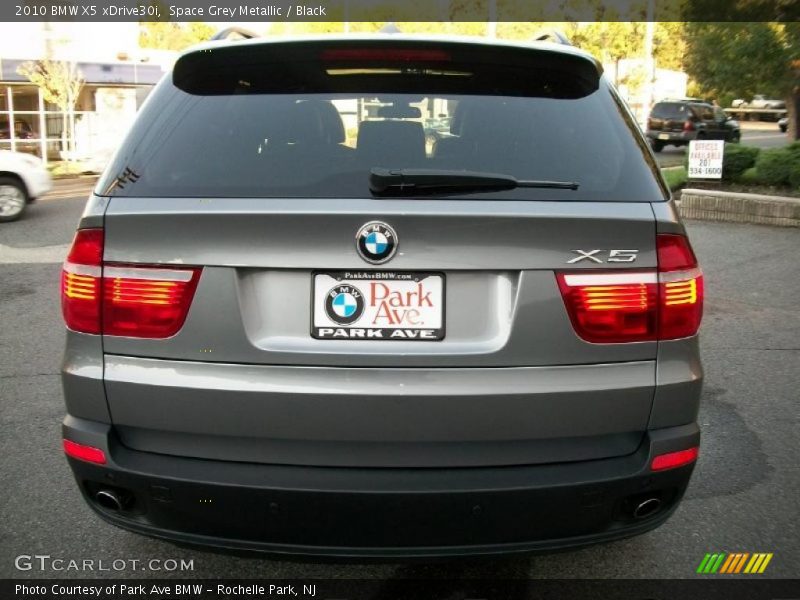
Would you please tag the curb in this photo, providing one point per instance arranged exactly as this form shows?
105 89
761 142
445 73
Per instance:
735 207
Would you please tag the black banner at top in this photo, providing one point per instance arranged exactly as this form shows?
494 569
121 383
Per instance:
399 11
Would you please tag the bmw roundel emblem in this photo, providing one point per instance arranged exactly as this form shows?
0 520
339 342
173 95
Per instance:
376 242
344 304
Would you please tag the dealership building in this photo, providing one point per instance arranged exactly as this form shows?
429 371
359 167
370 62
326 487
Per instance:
117 76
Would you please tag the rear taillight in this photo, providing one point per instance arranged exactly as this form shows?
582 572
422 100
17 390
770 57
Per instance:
638 306
680 288
146 302
688 125
126 300
80 282
611 307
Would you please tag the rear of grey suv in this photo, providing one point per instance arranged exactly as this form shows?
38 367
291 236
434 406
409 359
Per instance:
296 325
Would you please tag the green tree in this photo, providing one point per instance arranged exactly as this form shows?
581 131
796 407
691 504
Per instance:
742 59
166 35
61 83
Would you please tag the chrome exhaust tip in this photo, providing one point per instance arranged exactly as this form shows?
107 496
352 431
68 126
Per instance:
646 508
109 499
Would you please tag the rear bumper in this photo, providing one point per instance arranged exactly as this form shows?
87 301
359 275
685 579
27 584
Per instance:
672 137
373 512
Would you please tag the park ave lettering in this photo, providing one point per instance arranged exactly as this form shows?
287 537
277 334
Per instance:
396 307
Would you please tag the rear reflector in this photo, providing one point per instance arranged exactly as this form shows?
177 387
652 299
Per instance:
638 306
672 460
85 453
126 300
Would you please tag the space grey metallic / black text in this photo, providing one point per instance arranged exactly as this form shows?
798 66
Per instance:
382 296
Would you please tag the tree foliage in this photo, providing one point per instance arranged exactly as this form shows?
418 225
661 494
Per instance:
166 35
740 59
728 60
60 81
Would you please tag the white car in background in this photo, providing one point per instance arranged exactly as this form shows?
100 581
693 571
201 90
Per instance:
23 178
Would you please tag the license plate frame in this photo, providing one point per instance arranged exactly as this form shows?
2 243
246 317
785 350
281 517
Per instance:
405 281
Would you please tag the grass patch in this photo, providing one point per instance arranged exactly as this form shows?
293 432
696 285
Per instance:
61 169
676 177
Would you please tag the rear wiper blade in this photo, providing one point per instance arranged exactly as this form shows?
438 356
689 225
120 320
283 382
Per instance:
411 182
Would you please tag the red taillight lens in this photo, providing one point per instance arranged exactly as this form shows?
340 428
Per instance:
674 253
80 282
126 300
638 306
673 460
146 302
611 307
680 288
688 125
86 453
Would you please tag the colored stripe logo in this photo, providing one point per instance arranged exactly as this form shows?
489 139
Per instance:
734 563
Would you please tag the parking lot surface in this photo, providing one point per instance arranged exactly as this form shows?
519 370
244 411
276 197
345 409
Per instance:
744 496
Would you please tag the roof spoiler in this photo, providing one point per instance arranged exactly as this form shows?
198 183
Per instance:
552 35
234 33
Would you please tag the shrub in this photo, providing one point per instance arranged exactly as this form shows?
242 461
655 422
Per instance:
737 159
749 176
794 149
794 176
775 166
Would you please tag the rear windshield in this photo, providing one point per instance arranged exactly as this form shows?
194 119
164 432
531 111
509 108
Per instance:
248 139
672 110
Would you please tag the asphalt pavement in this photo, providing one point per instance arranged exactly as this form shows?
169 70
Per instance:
744 496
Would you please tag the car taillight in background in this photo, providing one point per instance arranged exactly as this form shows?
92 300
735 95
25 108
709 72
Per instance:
688 125
118 299
638 306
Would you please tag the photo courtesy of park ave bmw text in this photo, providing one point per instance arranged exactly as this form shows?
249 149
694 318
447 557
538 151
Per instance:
377 299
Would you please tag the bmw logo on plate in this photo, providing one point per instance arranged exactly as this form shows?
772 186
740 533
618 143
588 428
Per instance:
376 242
344 304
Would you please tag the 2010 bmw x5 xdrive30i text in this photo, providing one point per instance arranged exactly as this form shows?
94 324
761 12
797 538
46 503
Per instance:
298 324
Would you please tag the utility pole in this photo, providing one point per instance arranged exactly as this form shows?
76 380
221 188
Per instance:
650 62
491 25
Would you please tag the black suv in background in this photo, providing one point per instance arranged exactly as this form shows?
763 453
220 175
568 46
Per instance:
677 122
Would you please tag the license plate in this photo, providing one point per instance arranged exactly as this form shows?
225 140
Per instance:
370 305
663 136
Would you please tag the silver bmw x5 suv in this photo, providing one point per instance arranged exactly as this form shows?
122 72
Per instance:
298 324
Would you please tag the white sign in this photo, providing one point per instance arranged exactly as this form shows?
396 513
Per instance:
705 159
